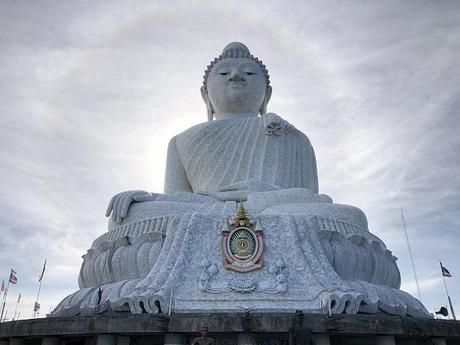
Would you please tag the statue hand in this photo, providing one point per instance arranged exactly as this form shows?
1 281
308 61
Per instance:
239 191
230 195
251 185
119 204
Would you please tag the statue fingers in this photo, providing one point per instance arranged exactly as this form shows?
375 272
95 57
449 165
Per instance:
236 195
233 187
127 201
144 197
117 208
110 206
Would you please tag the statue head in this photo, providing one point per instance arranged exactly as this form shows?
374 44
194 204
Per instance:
236 83
204 332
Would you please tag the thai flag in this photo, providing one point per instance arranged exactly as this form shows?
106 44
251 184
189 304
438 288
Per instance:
13 278
36 306
445 271
40 278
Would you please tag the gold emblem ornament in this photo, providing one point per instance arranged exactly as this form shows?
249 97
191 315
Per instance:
242 246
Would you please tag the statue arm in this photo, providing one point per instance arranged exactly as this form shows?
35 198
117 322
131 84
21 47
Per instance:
313 178
176 178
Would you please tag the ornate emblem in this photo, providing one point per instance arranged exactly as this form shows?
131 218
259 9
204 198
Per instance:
241 245
210 283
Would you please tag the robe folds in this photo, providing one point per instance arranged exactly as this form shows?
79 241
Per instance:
218 154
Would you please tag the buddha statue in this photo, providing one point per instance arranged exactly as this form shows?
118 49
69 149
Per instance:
175 249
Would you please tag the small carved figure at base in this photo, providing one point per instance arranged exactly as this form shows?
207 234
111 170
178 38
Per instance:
204 339
298 334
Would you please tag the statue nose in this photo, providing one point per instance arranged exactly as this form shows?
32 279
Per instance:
236 77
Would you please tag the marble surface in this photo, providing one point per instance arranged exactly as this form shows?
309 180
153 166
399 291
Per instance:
166 248
307 262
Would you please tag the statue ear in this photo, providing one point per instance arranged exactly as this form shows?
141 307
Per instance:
268 94
204 94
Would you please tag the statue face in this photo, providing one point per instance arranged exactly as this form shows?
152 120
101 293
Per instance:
236 86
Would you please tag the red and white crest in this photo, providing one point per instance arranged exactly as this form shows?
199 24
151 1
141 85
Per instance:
242 245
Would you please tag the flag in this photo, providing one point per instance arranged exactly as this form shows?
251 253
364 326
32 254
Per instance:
43 272
13 278
3 286
19 298
36 306
445 271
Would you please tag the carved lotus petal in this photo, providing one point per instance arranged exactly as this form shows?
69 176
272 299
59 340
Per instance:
243 285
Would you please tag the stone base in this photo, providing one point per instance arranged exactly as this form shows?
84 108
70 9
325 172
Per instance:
232 329
309 262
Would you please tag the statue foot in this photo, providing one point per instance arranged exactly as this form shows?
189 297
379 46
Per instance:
369 298
143 302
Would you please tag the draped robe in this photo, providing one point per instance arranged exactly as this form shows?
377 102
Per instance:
215 155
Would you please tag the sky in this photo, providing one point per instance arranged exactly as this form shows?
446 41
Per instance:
92 91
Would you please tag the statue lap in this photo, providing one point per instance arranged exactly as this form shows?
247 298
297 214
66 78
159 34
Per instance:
158 217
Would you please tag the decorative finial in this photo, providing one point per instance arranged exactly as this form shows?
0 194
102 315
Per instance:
241 218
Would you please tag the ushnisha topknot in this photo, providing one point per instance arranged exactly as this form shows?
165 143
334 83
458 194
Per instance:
235 50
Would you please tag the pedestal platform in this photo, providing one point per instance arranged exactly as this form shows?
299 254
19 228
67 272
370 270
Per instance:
231 329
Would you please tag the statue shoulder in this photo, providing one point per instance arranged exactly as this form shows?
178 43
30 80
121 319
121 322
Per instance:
204 129
188 134
276 125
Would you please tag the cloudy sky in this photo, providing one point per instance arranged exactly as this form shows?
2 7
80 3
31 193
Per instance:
92 91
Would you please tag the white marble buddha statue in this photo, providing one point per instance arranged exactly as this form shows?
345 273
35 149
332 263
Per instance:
160 245
241 149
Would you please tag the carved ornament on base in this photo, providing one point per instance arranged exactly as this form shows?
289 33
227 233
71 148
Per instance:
242 247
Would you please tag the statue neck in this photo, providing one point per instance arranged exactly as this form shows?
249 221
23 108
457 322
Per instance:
225 116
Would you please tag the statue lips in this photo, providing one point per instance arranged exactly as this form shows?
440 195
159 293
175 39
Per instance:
238 84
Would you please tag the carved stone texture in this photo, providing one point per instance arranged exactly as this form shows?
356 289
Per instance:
166 249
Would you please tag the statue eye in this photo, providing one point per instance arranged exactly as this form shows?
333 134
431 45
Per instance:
248 70
223 71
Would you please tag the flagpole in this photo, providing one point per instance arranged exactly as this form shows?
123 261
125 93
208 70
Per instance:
411 256
38 295
5 294
447 292
16 308
39 288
